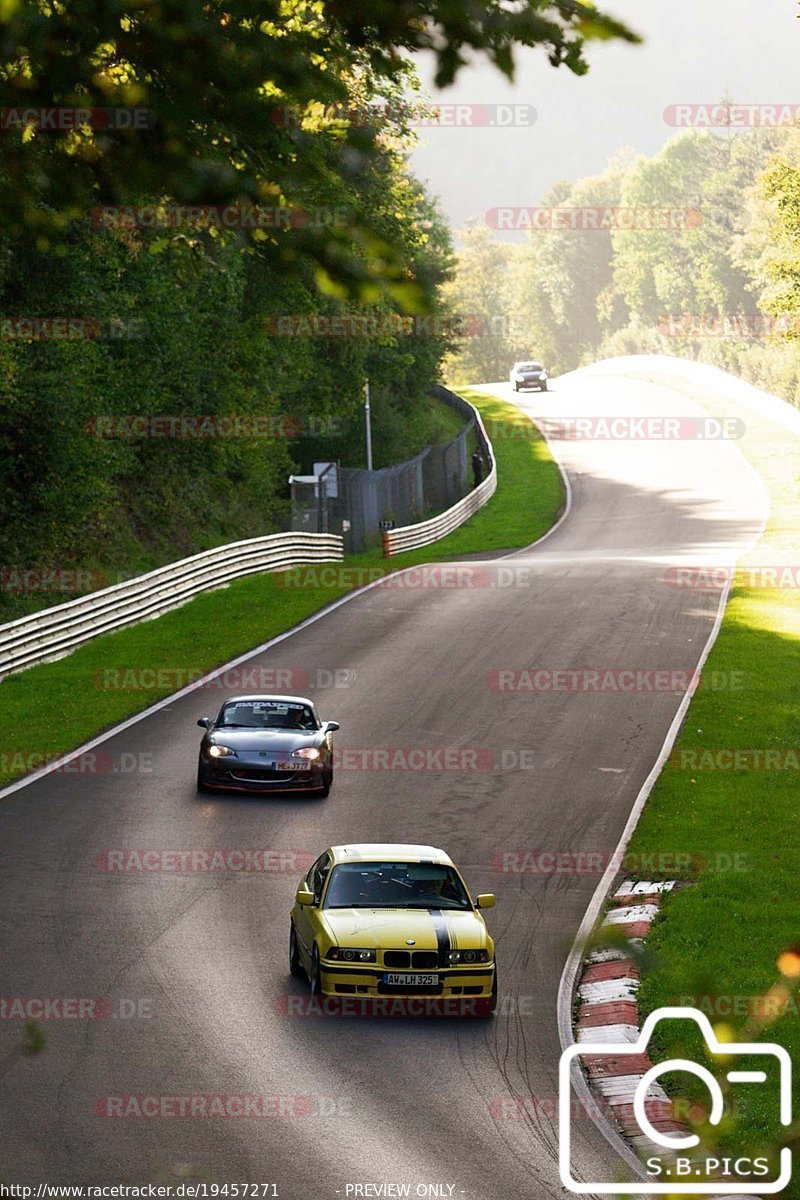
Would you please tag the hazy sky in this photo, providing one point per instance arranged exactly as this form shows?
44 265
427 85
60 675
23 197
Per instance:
695 51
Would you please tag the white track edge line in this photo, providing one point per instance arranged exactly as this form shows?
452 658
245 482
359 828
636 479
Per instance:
569 975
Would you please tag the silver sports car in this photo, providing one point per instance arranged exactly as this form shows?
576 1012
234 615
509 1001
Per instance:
266 744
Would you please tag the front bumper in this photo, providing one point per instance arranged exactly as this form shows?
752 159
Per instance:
472 982
235 775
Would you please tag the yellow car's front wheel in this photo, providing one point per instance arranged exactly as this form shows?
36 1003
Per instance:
314 974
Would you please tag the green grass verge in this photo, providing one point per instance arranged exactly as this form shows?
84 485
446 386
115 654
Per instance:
716 944
57 706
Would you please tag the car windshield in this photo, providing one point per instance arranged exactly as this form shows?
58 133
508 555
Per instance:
266 714
395 885
530 367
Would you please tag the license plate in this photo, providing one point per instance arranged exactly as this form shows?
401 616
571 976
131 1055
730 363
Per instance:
411 980
292 766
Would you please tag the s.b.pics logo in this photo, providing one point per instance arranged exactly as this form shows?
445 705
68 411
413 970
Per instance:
674 1159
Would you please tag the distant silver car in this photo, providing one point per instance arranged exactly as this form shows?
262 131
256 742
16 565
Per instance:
528 375
266 744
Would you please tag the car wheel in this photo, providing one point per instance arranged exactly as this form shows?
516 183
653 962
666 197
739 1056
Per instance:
295 966
543 387
516 387
327 784
201 778
314 975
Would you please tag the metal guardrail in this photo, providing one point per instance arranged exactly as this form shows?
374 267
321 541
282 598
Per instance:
57 631
409 537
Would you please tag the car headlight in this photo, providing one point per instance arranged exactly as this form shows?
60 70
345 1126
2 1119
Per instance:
306 752
467 956
352 954
543 375
217 751
519 378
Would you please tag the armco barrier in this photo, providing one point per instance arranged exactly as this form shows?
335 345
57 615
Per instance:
56 631
409 537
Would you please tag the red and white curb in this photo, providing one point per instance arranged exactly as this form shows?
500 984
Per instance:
609 1012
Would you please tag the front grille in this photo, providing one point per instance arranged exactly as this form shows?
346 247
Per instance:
425 959
396 958
261 775
420 960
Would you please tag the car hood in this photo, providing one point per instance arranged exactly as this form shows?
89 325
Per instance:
256 741
389 928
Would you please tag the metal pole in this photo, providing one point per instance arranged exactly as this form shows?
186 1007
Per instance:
368 419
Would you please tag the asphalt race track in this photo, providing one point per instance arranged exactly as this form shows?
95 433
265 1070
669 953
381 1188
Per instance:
201 957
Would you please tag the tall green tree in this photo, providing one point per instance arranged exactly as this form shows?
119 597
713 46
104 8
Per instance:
217 81
564 297
479 298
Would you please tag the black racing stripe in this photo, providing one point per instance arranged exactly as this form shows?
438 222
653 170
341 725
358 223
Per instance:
440 928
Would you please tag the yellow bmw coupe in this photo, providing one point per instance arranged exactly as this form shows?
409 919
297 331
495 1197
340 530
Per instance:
392 920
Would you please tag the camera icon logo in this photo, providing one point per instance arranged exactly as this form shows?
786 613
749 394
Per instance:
674 1170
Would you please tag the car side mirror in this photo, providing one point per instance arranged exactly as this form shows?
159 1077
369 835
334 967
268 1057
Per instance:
304 895
332 726
204 722
486 900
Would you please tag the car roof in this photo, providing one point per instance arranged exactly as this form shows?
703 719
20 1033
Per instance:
389 851
280 698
